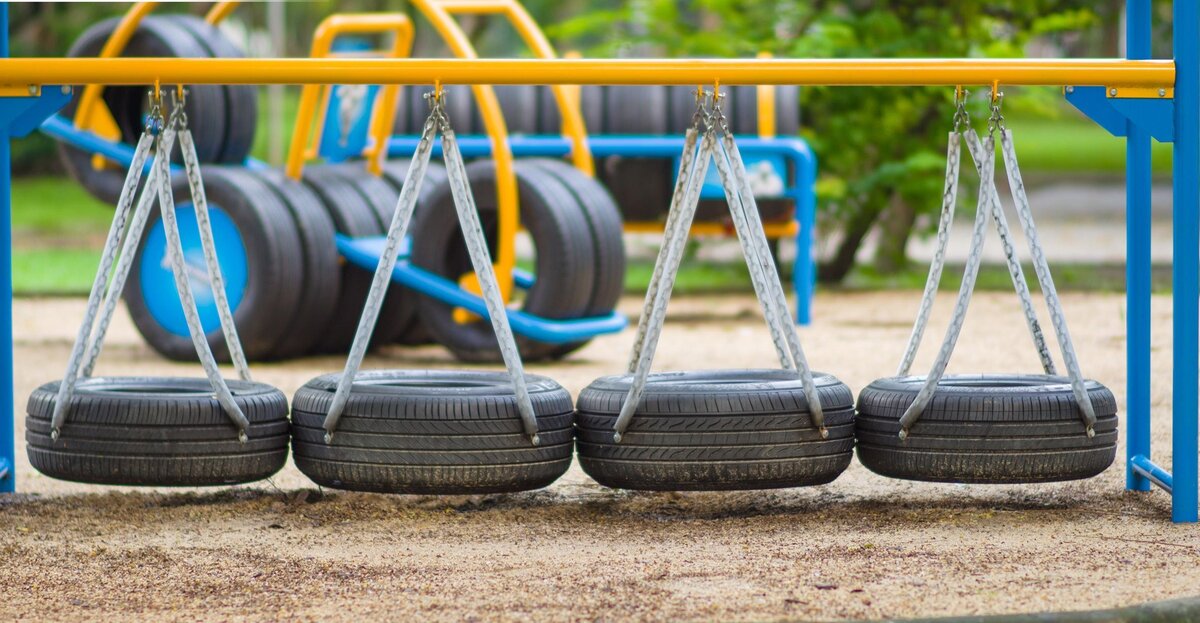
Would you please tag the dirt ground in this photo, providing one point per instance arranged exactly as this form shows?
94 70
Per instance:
861 547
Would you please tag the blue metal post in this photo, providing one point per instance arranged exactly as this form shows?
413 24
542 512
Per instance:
8 450
1137 264
804 270
1186 249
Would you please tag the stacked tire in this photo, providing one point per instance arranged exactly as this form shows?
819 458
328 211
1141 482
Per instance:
222 117
640 186
575 230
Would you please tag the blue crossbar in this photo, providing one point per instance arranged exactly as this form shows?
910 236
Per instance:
365 252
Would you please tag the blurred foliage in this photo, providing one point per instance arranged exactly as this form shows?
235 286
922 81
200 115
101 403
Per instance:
882 151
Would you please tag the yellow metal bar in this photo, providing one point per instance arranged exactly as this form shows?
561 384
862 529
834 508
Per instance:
313 95
507 202
766 106
828 72
220 11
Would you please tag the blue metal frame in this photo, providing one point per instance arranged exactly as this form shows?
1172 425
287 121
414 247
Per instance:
18 116
794 150
1175 121
365 252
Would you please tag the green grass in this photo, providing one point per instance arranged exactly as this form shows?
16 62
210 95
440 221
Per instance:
53 207
55 272
1073 144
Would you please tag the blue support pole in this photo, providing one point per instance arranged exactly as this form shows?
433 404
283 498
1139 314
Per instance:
8 450
1137 264
1186 271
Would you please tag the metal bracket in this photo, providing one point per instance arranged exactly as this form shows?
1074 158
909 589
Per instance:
22 114
1112 112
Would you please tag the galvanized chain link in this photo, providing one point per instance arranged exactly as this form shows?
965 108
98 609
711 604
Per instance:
744 209
974 257
133 238
669 264
107 257
747 234
401 216
183 285
191 165
949 201
1017 274
481 259
1042 267
670 232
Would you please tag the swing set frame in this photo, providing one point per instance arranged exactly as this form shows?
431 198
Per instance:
1137 98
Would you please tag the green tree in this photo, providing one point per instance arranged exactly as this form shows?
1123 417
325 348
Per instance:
881 150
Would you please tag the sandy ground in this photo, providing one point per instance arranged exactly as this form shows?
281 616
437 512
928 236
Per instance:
861 547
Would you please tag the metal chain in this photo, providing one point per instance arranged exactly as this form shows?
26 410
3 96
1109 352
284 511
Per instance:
133 238
1042 268
949 201
748 237
107 257
1016 273
401 216
472 229
191 165
978 237
183 285
744 209
669 264
670 232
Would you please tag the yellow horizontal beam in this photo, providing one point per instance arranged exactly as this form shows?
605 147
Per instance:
836 72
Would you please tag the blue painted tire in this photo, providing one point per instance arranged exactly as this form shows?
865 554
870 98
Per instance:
259 248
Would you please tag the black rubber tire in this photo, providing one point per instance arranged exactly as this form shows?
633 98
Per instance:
321 279
608 245
352 216
155 431
641 187
241 101
519 102
399 309
995 428
432 432
274 269
715 430
564 269
205 107
394 171
787 110
635 110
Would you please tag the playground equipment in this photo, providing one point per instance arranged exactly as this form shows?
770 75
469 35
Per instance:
471 460
274 254
988 428
695 420
1136 98
157 431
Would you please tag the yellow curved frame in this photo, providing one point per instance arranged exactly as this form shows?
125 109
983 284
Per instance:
384 112
441 14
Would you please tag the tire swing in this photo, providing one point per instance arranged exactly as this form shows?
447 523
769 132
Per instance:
433 431
987 428
716 429
157 431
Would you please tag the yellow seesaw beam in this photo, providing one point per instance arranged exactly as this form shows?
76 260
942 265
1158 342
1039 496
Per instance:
1111 73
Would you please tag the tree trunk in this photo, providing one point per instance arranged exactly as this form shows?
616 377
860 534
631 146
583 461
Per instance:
838 266
895 228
